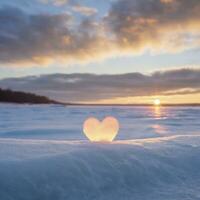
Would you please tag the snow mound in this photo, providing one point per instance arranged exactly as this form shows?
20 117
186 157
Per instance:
160 169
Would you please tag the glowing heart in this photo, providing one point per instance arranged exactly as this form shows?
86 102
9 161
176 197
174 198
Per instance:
104 131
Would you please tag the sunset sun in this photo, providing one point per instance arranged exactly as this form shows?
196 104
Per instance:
156 102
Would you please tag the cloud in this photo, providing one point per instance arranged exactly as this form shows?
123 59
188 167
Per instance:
55 2
90 87
130 26
84 10
158 25
42 38
183 91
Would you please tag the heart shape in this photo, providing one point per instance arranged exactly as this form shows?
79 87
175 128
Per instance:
104 131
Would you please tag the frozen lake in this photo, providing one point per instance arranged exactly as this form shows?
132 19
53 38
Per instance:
59 122
44 154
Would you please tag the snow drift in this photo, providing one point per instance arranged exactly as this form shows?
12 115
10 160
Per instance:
144 169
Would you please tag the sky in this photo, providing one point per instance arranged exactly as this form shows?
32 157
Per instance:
105 38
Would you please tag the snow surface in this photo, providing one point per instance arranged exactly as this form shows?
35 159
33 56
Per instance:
45 156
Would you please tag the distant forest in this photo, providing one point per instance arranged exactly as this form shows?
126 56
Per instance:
9 96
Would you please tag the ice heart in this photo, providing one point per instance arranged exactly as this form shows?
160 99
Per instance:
104 131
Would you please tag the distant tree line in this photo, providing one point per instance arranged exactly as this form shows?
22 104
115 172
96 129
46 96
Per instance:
9 96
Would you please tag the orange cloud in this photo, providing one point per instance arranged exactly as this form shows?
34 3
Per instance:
130 26
123 88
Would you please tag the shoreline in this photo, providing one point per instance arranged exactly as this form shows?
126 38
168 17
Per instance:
106 105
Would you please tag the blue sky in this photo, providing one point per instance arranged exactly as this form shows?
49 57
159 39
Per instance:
145 61
157 42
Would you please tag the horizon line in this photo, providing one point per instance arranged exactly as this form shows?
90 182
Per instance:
132 104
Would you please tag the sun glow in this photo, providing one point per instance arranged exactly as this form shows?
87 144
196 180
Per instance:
157 102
